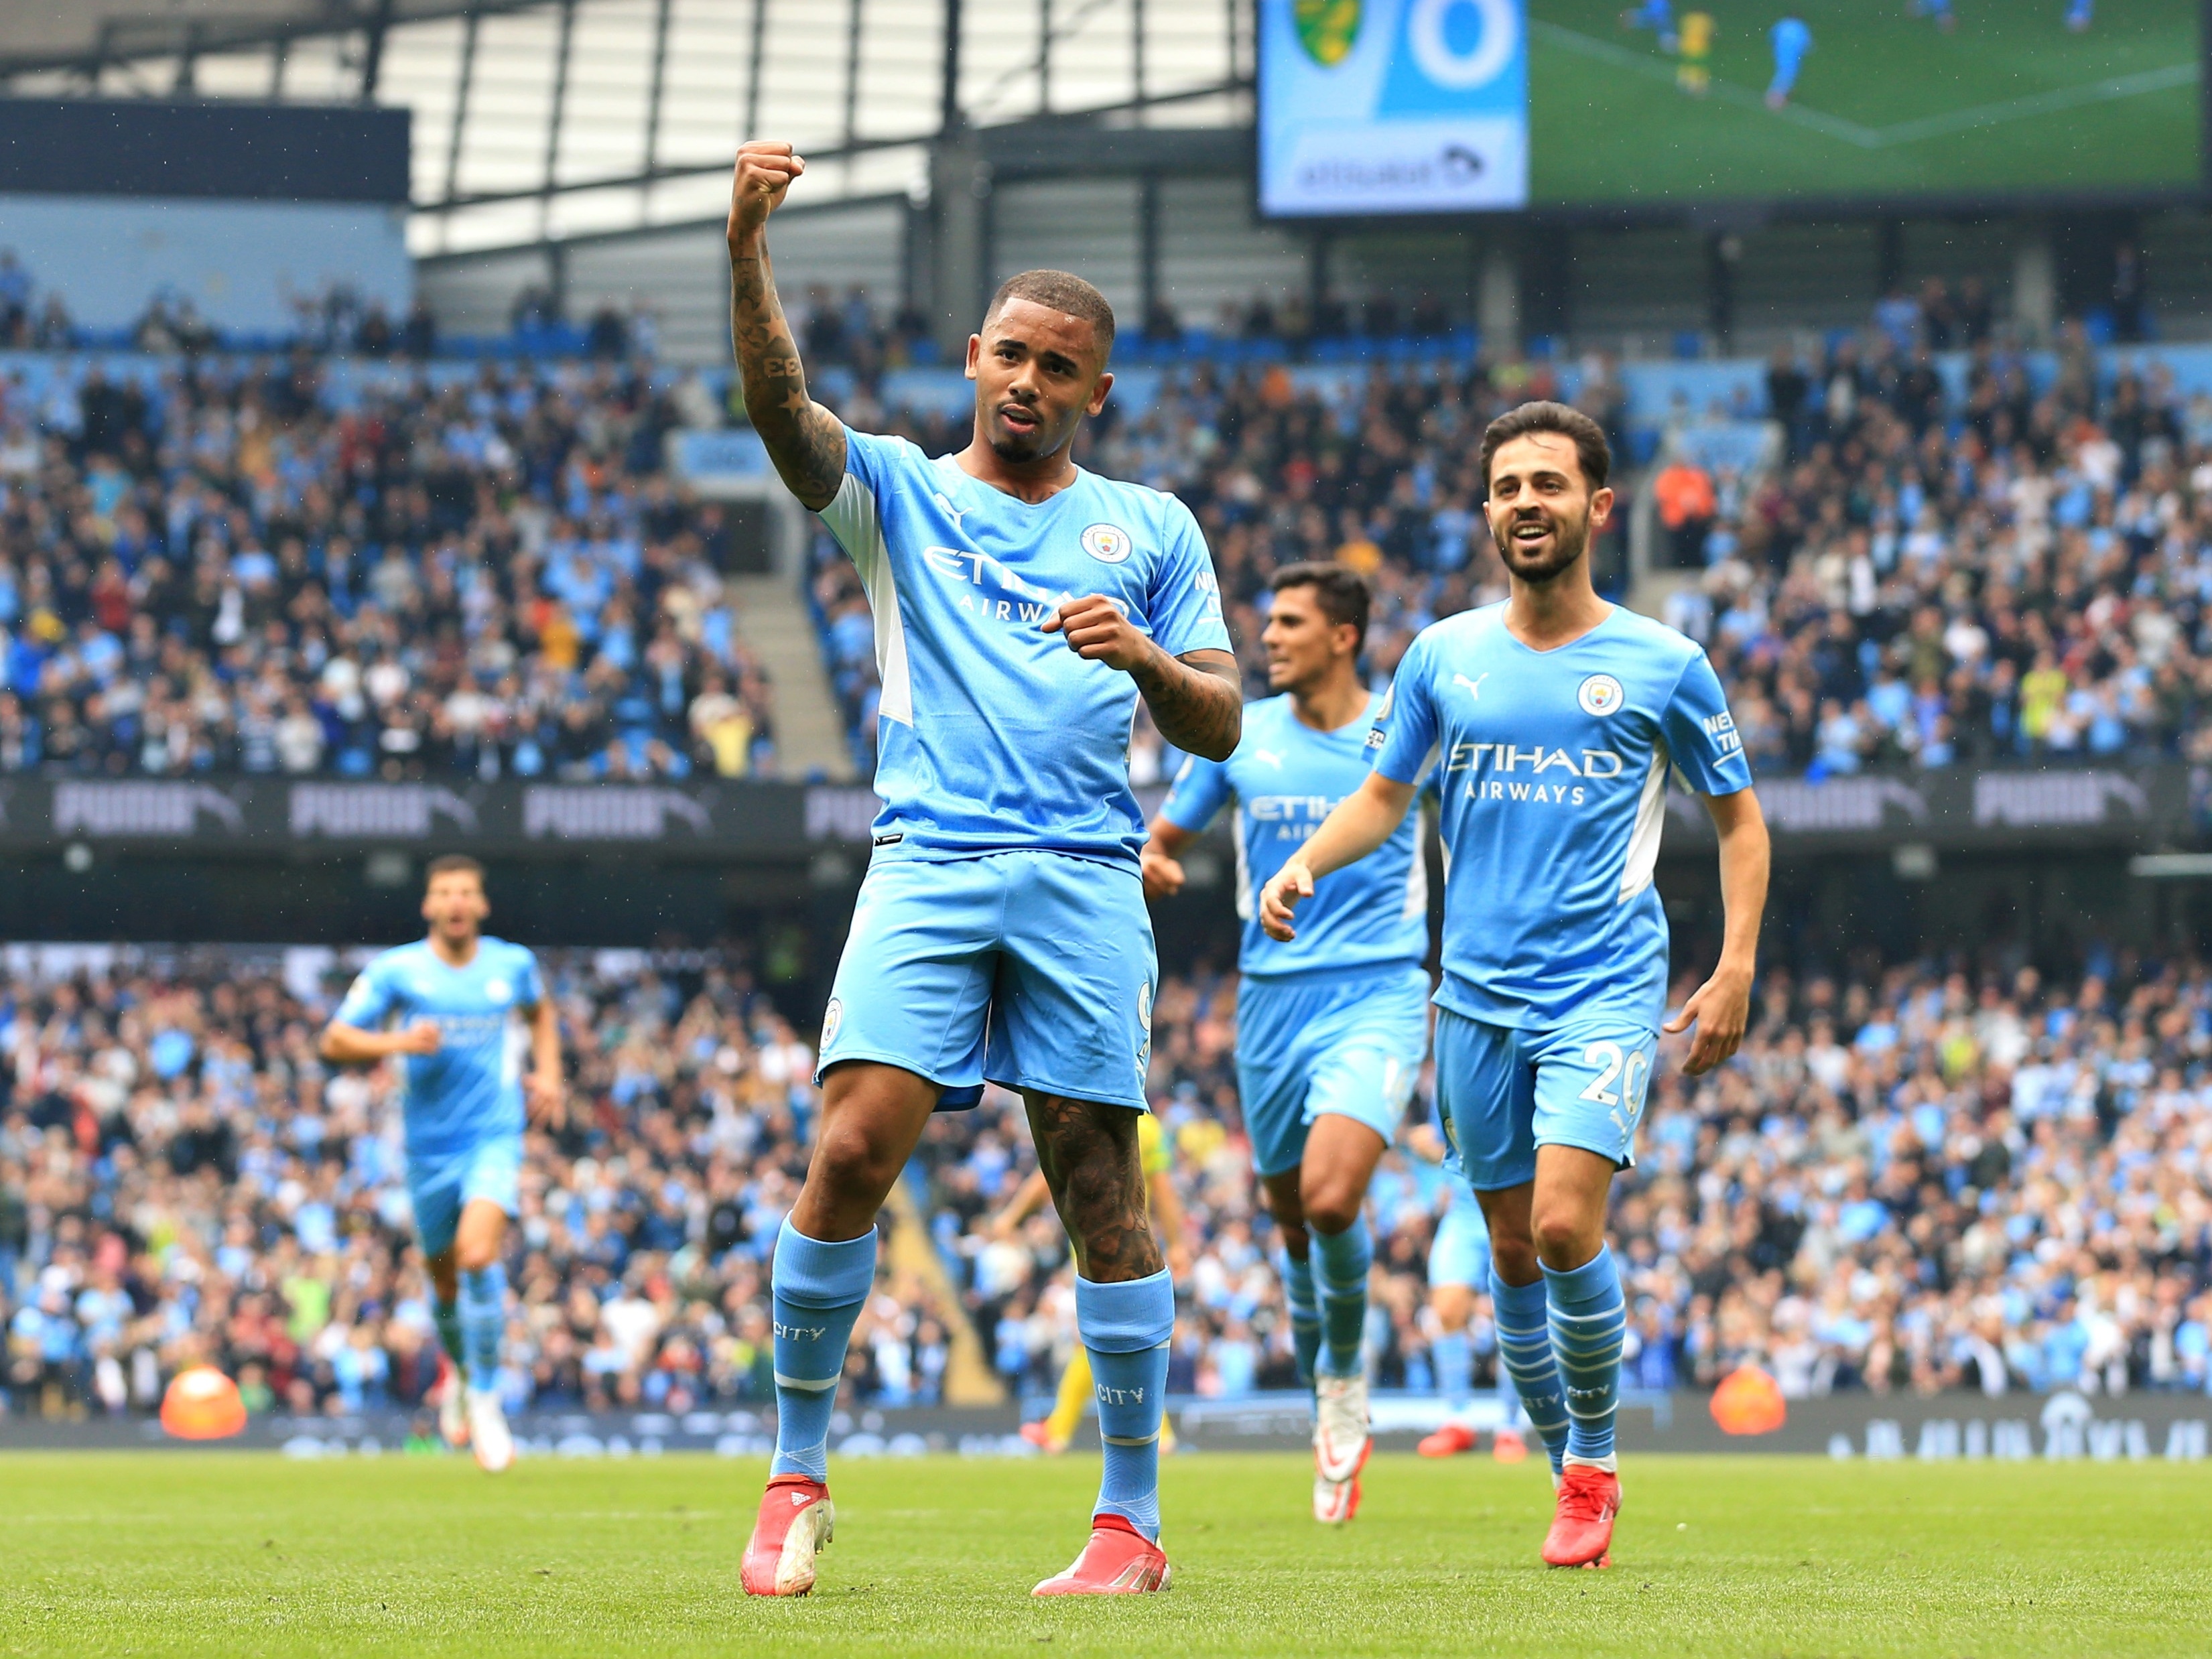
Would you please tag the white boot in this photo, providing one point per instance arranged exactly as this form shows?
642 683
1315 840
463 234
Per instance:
487 1431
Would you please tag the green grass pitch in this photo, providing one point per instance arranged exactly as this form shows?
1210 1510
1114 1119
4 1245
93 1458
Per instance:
1885 105
240 1554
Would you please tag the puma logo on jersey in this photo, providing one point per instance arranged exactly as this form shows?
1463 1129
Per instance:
1270 757
950 512
1473 686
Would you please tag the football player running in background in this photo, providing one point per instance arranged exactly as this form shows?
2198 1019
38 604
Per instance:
452 1000
1331 1028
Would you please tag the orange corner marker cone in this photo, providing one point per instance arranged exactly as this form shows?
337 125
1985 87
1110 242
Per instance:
202 1404
1749 1401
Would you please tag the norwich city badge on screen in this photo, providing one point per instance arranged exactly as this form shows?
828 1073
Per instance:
1377 107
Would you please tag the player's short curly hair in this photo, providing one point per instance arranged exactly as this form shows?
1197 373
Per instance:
1341 593
452 864
1063 291
1591 446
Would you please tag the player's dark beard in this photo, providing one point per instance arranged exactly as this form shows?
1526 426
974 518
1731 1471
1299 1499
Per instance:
1019 450
1568 541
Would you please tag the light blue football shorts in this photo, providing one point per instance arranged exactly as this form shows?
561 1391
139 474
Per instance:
1502 1092
1034 970
1349 1043
1460 1253
443 1184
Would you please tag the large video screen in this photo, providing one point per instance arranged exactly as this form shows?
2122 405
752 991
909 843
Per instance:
1383 107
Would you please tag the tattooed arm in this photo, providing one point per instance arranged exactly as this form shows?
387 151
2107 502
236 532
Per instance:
1197 700
806 441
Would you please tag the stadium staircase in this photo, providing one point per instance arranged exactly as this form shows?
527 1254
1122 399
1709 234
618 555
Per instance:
810 728
968 1379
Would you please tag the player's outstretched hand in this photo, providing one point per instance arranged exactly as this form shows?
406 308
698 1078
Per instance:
765 168
1720 1009
1097 631
1280 897
1164 875
548 1100
422 1037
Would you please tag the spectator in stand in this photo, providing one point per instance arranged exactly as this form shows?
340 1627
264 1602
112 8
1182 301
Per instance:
536 309
607 336
418 333
1683 492
373 336
16 289
2129 295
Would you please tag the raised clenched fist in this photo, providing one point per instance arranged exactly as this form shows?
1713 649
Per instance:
765 168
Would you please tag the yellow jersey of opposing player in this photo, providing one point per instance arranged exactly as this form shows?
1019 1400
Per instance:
1154 1151
1695 44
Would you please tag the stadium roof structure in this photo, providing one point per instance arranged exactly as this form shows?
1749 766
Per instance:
541 121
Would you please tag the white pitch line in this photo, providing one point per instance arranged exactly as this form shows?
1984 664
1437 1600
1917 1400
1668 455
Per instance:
1851 133
1833 126
2042 103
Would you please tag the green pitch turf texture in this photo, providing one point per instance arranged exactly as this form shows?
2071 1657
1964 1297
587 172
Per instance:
1885 106
242 1554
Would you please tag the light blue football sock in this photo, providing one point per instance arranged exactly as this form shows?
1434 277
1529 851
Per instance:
1588 1318
1125 1328
1453 1355
818 1291
446 1316
1524 1353
1305 1312
1341 1263
484 1321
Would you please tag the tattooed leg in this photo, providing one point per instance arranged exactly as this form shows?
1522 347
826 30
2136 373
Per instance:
1124 1303
1088 1151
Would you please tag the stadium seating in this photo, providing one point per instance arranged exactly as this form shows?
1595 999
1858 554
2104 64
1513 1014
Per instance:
1931 1177
1985 556
301 565
182 1180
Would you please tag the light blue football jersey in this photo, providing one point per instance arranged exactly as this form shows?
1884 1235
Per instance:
992 735
1552 772
472 1087
1286 778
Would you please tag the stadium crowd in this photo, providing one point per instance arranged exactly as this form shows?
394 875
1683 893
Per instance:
2016 572
2006 560
1925 1177
259 565
182 1178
